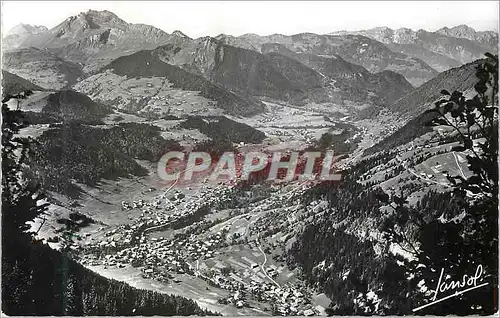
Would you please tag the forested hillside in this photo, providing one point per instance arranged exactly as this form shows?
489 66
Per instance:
13 84
37 280
380 244
74 151
222 129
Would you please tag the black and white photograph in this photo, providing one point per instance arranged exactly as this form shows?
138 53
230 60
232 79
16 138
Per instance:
249 158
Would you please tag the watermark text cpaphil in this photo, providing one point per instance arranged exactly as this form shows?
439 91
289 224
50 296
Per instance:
283 166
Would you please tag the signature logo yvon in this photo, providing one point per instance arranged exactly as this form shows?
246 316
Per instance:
252 167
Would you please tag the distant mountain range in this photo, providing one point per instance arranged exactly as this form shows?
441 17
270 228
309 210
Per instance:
368 67
357 49
442 49
18 34
488 38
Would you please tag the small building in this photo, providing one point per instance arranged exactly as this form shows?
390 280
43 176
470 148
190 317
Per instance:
308 312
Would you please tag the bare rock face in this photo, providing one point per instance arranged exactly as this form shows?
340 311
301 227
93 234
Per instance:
404 36
276 72
219 71
143 82
180 34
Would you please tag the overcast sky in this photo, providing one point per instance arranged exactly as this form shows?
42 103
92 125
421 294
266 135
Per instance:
200 18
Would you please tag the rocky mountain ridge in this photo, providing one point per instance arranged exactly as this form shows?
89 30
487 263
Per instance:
95 38
442 49
489 38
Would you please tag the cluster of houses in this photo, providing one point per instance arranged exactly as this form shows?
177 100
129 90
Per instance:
307 135
162 259
130 245
292 302
159 257
281 133
286 301
158 103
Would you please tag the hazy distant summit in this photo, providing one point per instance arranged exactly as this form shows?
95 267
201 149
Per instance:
489 38
25 29
407 35
16 35
442 49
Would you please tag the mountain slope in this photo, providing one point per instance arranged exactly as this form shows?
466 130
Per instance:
71 105
282 74
437 61
75 152
13 84
229 75
273 76
354 82
147 66
42 68
422 98
460 49
28 269
371 54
